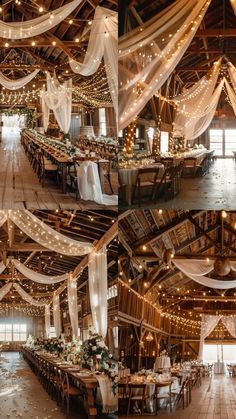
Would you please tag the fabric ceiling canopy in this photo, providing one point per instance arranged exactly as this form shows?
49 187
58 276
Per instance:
37 26
11 84
149 54
196 269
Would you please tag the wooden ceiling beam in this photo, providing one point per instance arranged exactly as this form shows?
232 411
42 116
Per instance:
216 33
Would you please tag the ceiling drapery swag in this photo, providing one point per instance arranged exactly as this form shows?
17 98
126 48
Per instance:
36 276
97 269
208 324
57 314
11 84
197 105
161 43
44 234
45 110
5 290
73 304
196 269
37 26
27 297
103 43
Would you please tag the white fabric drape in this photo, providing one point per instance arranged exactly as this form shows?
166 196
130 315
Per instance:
103 42
36 276
44 234
196 107
5 290
149 56
3 266
208 324
58 98
3 217
73 304
47 321
196 269
230 324
108 399
26 296
37 26
233 4
57 314
45 110
97 276
89 184
12 84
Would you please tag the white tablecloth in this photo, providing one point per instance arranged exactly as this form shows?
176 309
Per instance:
89 185
129 175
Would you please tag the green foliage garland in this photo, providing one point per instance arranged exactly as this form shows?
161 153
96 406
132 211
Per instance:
21 111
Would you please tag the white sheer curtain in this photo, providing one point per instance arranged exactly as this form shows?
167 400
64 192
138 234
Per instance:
73 304
37 26
3 266
5 290
36 276
45 110
97 276
197 269
26 296
233 4
230 324
12 84
44 234
47 320
103 42
58 98
208 324
149 56
197 107
57 314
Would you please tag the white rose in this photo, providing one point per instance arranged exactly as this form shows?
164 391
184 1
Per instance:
94 348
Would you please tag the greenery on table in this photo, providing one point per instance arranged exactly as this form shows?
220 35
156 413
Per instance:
95 353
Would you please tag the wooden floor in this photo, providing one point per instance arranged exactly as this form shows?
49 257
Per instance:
215 399
215 190
22 395
20 187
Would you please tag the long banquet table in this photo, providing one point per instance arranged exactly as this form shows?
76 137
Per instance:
62 159
87 384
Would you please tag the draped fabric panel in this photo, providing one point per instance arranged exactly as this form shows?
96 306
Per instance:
26 296
37 26
196 107
196 270
3 266
97 275
208 324
36 276
232 94
73 304
44 234
58 98
57 314
103 43
45 110
47 321
5 290
233 4
230 324
11 84
149 56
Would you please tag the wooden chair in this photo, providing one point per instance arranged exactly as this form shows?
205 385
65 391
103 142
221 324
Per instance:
67 391
147 178
183 393
105 170
137 393
166 183
122 394
46 167
190 167
166 395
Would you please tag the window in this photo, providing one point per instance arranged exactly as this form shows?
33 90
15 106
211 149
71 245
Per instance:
52 332
102 121
137 132
19 332
164 146
223 353
151 132
230 142
112 292
13 332
216 141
